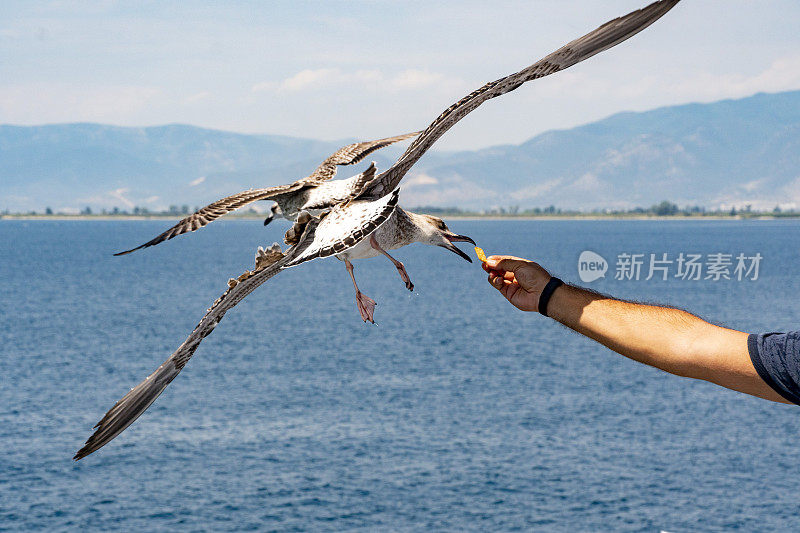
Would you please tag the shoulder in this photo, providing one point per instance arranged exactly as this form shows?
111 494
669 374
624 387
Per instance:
776 357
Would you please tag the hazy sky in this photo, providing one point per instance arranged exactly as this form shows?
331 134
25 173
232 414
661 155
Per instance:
331 70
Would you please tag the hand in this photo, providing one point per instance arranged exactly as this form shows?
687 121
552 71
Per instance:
519 280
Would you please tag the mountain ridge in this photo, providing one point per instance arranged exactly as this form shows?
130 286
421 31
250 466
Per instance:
730 152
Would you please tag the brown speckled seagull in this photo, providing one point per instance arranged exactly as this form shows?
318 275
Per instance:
306 194
365 224
339 232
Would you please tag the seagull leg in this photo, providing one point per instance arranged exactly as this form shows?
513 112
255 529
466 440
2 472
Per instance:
366 305
400 268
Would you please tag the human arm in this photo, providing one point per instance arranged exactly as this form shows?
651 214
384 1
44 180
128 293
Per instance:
670 339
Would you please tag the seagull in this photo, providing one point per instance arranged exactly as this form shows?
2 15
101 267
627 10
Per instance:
401 228
314 193
340 232
364 224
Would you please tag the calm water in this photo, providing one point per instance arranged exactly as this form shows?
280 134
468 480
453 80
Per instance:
456 412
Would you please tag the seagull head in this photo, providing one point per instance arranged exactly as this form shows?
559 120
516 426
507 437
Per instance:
435 232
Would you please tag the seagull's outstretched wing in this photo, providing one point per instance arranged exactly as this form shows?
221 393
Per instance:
219 208
341 229
347 155
133 404
352 154
603 38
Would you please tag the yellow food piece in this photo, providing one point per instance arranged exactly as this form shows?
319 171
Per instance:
480 254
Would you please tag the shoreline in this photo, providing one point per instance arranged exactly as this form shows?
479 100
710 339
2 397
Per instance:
591 217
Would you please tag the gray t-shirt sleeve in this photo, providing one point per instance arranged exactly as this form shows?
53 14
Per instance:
776 357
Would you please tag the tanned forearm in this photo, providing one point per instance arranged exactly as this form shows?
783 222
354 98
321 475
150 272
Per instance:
670 339
666 338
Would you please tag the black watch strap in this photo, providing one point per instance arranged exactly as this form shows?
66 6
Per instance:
547 292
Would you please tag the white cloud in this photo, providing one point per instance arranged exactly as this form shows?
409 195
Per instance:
310 78
198 181
783 74
416 79
305 79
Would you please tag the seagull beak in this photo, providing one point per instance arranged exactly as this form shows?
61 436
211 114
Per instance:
457 238
460 238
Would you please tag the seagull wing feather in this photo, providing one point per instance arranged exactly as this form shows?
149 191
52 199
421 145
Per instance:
133 404
352 154
219 208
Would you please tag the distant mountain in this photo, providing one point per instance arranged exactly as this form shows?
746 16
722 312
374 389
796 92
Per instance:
731 152
76 165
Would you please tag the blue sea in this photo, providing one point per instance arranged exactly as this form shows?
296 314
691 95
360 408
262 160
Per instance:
456 412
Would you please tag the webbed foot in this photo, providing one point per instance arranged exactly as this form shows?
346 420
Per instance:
366 306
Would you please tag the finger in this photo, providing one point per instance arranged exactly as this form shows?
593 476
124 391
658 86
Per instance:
487 267
510 276
506 263
509 291
501 273
497 282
